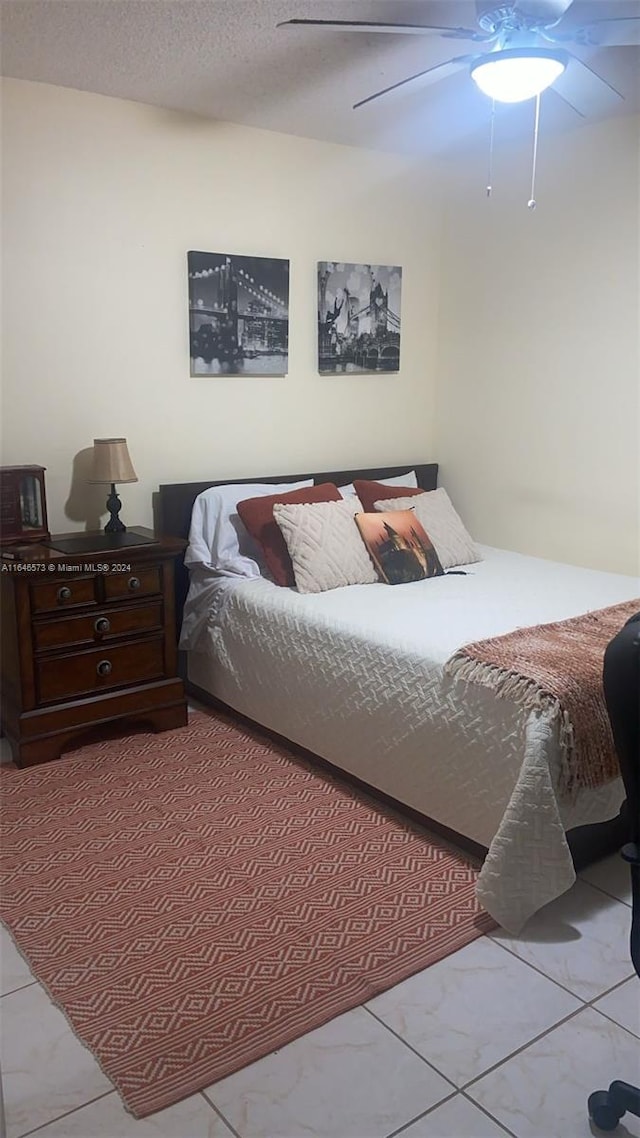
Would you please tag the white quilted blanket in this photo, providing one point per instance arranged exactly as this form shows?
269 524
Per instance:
356 676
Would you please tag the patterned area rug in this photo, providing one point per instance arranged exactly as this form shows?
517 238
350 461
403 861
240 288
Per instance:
196 899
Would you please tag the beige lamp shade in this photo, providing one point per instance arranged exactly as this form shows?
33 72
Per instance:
111 462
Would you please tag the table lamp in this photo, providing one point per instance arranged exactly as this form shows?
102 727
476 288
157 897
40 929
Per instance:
111 464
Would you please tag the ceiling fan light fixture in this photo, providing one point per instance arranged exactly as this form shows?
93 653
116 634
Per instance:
517 74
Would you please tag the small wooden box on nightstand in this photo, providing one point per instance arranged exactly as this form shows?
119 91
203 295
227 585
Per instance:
88 640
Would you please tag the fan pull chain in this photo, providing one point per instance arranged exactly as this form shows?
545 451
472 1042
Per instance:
490 170
531 204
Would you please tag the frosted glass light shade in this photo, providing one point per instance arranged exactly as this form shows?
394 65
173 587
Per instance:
515 75
111 462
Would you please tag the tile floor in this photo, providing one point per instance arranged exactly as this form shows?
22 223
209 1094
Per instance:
506 1037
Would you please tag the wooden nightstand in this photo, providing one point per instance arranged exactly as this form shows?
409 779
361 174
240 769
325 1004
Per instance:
88 639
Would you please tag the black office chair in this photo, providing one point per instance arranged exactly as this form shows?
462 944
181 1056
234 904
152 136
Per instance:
622 693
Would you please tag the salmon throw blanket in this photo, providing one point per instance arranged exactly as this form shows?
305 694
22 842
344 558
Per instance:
558 667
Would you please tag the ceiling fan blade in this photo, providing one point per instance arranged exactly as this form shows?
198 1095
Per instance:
395 29
621 31
440 71
584 90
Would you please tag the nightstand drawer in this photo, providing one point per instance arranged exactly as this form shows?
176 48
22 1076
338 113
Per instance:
63 677
88 640
99 627
51 596
139 583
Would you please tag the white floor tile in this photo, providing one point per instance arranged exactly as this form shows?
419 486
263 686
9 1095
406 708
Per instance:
196 705
544 1089
14 970
581 940
349 1079
457 1118
612 875
623 1005
472 1009
46 1071
107 1118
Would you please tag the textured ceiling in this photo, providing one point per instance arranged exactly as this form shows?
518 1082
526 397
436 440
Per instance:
226 59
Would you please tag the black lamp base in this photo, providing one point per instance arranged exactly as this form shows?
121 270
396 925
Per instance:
114 525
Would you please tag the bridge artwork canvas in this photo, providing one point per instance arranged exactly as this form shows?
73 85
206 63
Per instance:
358 317
238 314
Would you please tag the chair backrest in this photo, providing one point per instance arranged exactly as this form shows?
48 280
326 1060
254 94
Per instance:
621 679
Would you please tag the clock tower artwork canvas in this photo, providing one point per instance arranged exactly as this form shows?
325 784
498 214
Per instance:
358 318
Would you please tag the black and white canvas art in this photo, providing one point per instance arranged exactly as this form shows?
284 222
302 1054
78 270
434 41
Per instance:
238 314
358 317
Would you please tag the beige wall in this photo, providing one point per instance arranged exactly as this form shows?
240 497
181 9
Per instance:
528 326
538 423
101 200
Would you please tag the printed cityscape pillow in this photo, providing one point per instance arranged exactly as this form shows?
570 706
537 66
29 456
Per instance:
370 492
257 515
435 511
325 546
399 546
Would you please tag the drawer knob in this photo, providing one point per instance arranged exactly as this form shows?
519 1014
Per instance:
64 594
104 668
102 624
134 583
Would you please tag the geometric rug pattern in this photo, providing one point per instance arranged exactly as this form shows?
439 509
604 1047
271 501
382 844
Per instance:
194 900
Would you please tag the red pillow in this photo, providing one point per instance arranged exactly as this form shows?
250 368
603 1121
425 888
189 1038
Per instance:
370 492
257 515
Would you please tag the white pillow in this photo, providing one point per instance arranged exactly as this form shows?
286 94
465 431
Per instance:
434 510
325 545
218 538
409 479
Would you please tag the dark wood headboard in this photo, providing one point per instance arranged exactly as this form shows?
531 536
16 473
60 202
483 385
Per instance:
175 502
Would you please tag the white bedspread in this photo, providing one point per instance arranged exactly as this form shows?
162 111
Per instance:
356 676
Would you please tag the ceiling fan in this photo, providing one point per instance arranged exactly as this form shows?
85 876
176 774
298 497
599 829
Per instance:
521 50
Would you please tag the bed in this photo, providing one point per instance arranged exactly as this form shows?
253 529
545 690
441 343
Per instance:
356 676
